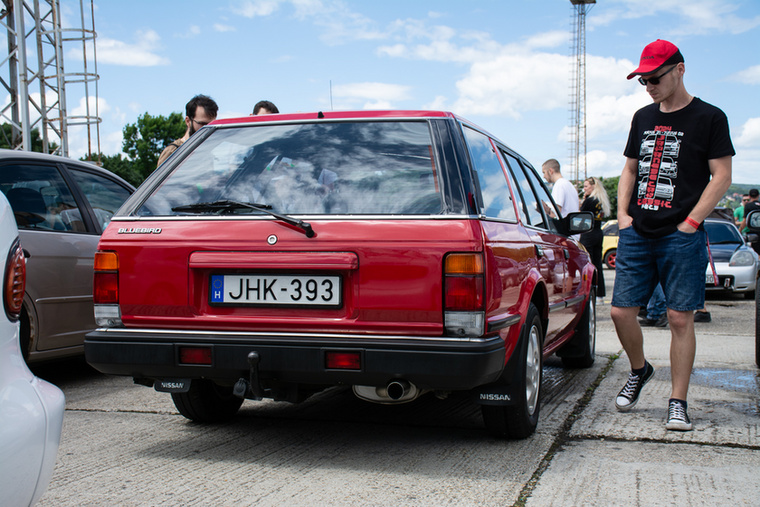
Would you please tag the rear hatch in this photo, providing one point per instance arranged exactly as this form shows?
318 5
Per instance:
329 227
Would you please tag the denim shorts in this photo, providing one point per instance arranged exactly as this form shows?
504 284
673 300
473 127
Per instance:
678 261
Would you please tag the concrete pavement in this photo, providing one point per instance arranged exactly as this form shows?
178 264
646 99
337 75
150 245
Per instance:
613 458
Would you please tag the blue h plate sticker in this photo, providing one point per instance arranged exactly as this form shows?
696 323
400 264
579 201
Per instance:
217 288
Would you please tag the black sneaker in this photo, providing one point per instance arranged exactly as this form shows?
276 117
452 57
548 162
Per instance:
678 419
702 317
660 322
629 394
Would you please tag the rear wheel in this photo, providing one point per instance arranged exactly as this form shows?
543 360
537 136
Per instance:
207 402
609 258
520 420
585 337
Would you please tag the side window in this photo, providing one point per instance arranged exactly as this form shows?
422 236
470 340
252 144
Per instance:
530 201
40 198
550 212
497 199
105 195
514 166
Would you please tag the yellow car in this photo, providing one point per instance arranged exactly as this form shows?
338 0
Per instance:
609 243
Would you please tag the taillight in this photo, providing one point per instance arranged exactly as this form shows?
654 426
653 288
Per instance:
338 360
464 294
195 355
463 282
15 281
105 290
106 281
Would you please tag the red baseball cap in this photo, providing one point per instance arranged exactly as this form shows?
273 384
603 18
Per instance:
655 56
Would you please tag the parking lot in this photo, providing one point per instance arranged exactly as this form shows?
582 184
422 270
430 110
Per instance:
126 444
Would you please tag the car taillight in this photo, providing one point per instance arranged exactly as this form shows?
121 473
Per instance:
105 289
15 281
464 294
106 282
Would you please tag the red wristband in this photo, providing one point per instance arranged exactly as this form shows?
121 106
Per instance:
692 222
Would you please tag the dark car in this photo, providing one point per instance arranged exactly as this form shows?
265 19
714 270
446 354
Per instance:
61 207
397 252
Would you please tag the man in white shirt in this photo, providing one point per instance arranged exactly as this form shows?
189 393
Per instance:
563 192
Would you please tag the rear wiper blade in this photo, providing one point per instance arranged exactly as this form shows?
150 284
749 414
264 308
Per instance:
226 205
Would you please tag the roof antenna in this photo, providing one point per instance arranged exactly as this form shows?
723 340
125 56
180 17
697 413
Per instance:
331 103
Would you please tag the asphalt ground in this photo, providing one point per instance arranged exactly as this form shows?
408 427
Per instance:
126 445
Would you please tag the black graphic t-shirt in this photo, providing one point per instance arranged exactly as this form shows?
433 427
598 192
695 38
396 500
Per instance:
673 150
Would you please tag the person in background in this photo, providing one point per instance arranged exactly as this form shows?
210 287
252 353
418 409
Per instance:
739 211
656 312
751 205
264 107
662 238
563 192
597 202
199 112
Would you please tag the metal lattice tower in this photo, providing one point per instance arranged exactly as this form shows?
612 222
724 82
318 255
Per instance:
578 86
32 75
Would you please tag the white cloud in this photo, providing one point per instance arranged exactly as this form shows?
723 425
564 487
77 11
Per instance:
750 75
218 27
369 95
696 17
254 8
140 54
749 136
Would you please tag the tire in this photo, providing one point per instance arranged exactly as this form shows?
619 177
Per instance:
585 337
520 419
609 258
207 402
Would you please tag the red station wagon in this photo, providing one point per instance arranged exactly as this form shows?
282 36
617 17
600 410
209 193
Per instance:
397 252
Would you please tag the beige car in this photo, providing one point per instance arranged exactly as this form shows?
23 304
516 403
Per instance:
61 207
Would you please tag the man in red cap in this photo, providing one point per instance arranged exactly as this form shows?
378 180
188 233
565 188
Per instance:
678 166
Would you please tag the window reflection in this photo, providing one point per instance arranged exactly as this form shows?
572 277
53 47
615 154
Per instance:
317 168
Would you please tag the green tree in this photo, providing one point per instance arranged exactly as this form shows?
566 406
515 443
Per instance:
7 139
119 165
611 186
146 139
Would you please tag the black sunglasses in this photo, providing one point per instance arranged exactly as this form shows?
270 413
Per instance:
655 80
204 123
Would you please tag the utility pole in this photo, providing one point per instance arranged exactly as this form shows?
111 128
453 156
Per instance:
578 90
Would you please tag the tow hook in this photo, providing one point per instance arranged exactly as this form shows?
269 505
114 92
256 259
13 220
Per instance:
252 385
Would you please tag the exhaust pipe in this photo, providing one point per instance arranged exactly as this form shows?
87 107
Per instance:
396 391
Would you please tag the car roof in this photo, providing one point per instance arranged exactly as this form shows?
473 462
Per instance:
337 115
33 156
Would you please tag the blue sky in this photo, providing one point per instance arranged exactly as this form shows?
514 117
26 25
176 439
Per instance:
503 64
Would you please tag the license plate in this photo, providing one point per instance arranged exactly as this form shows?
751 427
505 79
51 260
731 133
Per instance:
294 290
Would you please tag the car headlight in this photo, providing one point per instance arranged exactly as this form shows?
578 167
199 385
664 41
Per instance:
742 258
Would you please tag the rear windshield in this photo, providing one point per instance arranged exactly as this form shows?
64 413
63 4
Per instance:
313 168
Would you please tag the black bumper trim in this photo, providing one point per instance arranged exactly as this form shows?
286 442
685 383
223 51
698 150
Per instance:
442 364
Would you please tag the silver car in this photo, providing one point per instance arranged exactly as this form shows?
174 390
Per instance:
736 264
61 207
31 410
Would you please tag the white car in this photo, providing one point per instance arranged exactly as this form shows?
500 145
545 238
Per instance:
31 410
736 264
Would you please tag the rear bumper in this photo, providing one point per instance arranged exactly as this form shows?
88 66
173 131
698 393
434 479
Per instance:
429 363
